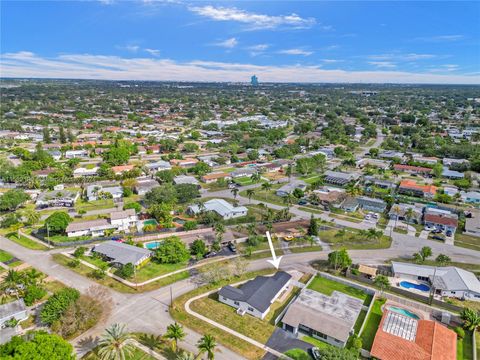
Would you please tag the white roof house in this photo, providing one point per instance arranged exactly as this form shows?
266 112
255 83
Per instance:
221 207
95 189
184 179
447 281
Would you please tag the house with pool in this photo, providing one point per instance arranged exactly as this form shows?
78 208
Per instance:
402 335
446 281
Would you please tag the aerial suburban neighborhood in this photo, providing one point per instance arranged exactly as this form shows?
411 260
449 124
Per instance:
239 180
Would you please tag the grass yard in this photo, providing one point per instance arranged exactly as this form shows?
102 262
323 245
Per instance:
465 347
248 325
277 307
137 354
298 354
306 248
353 240
94 205
467 241
345 217
311 209
243 181
25 242
360 320
96 261
315 342
230 341
373 320
310 179
153 269
327 286
65 238
9 259
266 196
400 230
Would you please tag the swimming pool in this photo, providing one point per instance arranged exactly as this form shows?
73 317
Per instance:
152 245
409 285
403 312
150 222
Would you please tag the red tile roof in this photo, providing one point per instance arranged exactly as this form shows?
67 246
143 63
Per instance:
433 341
443 220
418 169
409 184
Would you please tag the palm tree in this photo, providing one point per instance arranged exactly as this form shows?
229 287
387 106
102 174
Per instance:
288 172
219 230
250 193
12 280
409 214
266 187
471 319
115 344
31 216
382 282
32 276
353 190
151 341
288 200
175 334
207 344
396 210
186 356
256 177
234 191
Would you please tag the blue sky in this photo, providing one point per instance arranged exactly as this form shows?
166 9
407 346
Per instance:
311 41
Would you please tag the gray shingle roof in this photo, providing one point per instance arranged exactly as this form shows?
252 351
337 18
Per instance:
122 253
12 308
259 292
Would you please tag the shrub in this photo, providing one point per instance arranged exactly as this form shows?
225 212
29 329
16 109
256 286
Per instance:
79 251
460 332
74 263
126 271
57 304
190 225
32 294
172 251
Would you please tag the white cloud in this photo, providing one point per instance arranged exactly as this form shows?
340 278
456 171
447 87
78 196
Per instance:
401 57
107 2
84 66
228 43
154 52
258 49
440 38
252 20
383 64
130 48
296 52
331 61
445 68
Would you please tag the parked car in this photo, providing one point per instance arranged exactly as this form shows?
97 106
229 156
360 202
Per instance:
210 254
449 233
316 353
288 238
438 237
429 228
302 202
368 217
232 247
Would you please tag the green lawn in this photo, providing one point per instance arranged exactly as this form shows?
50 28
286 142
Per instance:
360 320
353 240
327 287
307 248
467 241
5 256
266 196
298 354
153 269
26 242
465 347
243 181
94 205
65 238
371 326
98 262
315 342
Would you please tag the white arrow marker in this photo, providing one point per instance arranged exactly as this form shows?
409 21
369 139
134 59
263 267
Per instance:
275 261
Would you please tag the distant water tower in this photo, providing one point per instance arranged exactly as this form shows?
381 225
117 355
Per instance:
254 80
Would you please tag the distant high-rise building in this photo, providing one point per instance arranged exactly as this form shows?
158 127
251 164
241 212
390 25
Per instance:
254 80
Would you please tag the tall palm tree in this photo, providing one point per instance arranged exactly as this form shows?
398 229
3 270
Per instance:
207 345
115 344
250 193
289 171
31 216
256 177
234 191
11 280
266 187
219 230
175 334
409 214
471 319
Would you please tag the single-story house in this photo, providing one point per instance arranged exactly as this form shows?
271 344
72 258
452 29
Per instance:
255 296
118 170
452 174
411 188
122 254
327 318
184 163
221 207
447 281
94 191
400 337
81 171
350 204
124 220
13 310
441 219
392 154
185 179
247 171
371 204
89 228
412 169
328 196
158 166
58 198
472 197
383 184
215 176
381 164
72 154
290 187
399 212
340 178
145 185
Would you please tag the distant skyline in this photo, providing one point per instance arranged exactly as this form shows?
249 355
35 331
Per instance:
279 41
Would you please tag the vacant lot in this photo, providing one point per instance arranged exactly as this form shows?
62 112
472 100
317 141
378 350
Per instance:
327 287
352 239
467 241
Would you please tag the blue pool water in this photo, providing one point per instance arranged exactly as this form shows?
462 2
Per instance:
152 245
409 285
403 312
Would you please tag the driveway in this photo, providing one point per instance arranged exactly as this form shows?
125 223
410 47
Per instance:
283 341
